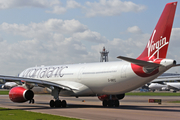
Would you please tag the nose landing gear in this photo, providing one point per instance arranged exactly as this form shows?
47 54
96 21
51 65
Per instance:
58 103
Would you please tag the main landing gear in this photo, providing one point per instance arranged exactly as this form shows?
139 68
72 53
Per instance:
111 100
57 103
110 103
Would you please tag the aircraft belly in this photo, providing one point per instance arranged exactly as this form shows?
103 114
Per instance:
112 83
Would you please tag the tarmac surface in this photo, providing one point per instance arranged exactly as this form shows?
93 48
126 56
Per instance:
90 108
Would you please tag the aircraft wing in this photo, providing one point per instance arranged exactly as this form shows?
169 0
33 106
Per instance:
161 79
173 87
40 83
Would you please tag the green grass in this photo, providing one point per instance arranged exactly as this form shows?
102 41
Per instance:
4 92
173 101
14 114
152 94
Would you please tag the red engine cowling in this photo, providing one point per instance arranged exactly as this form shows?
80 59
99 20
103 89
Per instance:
113 97
20 94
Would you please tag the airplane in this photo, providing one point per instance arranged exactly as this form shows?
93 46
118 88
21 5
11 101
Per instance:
165 86
9 85
109 81
165 82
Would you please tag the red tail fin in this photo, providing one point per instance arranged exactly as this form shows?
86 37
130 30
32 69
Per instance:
159 40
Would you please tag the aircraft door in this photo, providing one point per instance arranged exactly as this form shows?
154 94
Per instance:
80 73
123 71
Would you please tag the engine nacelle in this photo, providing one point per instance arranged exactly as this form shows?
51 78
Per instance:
165 89
114 97
20 94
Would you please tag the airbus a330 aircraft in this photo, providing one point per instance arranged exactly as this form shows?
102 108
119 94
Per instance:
109 80
9 85
165 86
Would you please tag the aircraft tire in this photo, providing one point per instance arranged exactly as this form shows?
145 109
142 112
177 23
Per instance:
52 103
105 103
58 103
116 103
64 104
110 103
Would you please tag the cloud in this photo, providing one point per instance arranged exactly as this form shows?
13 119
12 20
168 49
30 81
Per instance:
7 4
90 36
58 41
57 10
55 5
134 29
60 9
54 41
73 4
44 28
175 34
111 8
102 7
91 9
131 47
174 45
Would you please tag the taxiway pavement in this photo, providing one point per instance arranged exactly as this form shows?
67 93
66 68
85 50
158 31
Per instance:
131 108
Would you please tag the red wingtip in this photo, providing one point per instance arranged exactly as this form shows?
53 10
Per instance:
159 40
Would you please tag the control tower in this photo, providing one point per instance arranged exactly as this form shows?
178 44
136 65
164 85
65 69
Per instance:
104 55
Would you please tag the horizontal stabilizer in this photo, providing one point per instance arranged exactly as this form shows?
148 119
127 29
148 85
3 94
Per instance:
139 62
176 65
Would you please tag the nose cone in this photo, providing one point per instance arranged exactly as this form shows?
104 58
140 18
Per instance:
151 85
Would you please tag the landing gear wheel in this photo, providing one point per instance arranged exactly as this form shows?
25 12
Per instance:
116 103
105 103
63 103
58 103
52 103
110 103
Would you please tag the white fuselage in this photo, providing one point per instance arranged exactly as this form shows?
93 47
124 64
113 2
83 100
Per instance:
93 78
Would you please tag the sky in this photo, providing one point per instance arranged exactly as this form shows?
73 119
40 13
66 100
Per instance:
57 32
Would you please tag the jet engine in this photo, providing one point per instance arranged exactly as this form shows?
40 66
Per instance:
20 94
165 89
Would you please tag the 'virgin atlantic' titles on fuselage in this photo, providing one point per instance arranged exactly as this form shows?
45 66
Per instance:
44 72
